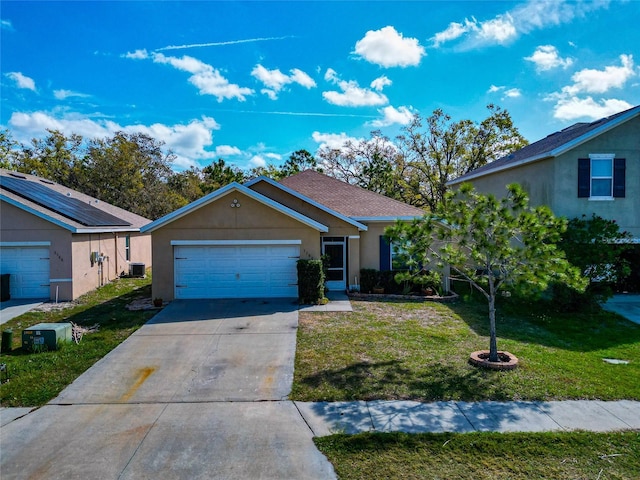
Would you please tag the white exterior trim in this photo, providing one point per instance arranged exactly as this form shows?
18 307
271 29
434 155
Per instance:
557 151
354 237
62 224
388 219
25 244
234 242
304 198
37 213
221 192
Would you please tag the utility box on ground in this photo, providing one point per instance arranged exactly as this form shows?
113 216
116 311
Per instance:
46 336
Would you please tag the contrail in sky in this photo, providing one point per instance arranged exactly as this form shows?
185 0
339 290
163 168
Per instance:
220 44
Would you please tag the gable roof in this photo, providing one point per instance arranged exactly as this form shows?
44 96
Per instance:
304 198
348 200
65 207
221 192
553 145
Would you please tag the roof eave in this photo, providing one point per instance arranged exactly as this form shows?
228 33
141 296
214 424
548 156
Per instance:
565 147
213 196
310 201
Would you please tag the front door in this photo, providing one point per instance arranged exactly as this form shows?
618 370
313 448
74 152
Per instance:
334 249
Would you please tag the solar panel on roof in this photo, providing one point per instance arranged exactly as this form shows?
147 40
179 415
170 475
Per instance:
69 207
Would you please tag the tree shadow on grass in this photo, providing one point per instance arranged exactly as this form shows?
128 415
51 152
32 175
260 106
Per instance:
537 322
392 380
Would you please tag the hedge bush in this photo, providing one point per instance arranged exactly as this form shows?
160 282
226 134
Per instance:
310 281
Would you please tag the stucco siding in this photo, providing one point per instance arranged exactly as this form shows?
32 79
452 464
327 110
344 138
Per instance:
537 179
252 220
554 181
22 227
88 275
624 142
370 244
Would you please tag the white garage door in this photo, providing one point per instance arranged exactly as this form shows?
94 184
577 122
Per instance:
236 271
29 270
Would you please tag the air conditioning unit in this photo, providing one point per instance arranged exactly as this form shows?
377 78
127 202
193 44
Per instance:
137 270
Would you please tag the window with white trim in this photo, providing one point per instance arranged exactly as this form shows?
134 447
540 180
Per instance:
602 177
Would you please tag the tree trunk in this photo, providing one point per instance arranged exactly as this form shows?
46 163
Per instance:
493 340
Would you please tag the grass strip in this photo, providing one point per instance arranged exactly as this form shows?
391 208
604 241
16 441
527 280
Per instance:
477 456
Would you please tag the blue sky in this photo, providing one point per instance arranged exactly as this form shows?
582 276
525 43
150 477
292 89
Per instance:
251 82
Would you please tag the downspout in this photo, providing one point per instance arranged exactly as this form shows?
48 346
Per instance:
115 237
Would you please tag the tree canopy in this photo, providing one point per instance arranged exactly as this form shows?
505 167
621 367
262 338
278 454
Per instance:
491 244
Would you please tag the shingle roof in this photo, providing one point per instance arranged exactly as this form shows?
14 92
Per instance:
346 199
108 217
553 144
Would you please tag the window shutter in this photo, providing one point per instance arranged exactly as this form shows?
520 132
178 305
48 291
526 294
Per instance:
584 178
385 254
619 166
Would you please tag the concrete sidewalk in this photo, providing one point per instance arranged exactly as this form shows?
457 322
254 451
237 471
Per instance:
327 418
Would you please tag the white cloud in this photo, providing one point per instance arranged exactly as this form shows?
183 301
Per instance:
137 54
546 57
275 80
189 142
208 79
573 108
6 24
22 81
513 93
257 161
64 94
507 92
601 81
392 115
453 31
352 95
227 151
499 30
332 140
380 82
524 18
388 48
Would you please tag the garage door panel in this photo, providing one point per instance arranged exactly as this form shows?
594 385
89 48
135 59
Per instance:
236 271
29 269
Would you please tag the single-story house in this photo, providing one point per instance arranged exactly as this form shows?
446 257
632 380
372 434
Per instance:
585 169
57 243
244 240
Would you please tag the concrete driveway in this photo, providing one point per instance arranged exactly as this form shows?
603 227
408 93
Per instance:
198 392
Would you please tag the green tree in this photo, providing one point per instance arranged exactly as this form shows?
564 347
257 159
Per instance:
596 246
9 149
492 244
372 163
219 174
56 157
299 161
436 150
131 171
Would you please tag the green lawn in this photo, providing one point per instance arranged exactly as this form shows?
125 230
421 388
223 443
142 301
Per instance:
36 378
478 456
419 351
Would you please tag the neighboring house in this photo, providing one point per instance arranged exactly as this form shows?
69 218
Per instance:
57 243
585 169
244 240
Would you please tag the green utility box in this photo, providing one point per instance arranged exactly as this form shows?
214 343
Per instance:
46 336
